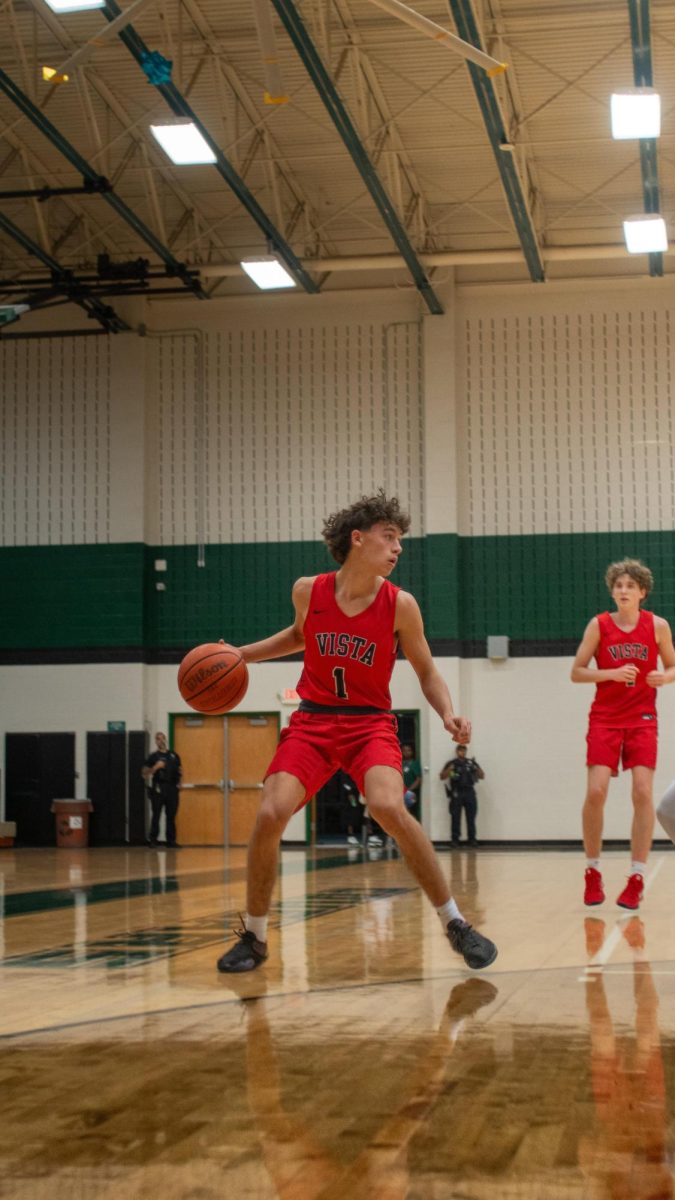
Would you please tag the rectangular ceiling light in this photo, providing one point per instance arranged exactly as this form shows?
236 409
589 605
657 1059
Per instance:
645 233
267 272
183 143
12 312
70 6
636 113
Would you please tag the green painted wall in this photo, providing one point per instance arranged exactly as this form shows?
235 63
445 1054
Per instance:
244 591
547 586
531 588
71 596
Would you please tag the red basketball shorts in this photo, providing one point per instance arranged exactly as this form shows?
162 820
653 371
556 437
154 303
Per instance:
314 746
630 747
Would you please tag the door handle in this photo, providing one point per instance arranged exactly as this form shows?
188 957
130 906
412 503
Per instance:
216 783
243 787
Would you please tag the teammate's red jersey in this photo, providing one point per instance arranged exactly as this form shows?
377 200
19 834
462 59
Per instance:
615 705
348 660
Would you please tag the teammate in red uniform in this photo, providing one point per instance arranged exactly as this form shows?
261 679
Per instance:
349 624
622 724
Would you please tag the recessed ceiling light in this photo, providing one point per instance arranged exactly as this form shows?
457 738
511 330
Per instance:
267 272
636 113
183 143
69 6
645 233
12 312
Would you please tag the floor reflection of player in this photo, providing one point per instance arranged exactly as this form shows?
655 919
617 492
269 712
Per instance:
299 1164
625 1155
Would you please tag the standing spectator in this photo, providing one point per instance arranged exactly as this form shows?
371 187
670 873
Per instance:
162 773
460 775
412 780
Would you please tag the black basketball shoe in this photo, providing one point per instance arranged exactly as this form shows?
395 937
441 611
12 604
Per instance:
476 950
245 955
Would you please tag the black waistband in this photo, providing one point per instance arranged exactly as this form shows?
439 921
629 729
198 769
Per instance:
348 710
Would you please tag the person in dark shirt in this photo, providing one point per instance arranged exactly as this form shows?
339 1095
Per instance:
460 776
162 774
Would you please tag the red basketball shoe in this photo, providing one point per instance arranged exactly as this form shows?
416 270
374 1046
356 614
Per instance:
593 892
632 893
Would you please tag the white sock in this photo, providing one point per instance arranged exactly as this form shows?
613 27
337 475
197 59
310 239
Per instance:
594 863
257 925
638 868
448 912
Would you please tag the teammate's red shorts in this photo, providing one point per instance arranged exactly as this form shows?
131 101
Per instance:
632 747
313 746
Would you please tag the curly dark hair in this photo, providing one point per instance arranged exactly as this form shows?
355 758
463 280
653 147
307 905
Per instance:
363 514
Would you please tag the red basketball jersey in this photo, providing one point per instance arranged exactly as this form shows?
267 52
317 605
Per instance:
348 660
616 705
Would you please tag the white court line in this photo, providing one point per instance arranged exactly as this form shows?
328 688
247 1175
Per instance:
600 960
622 971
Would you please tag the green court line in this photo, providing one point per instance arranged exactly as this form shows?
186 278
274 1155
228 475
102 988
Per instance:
21 904
134 948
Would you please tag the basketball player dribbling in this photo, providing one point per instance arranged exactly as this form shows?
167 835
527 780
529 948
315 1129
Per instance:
350 623
622 724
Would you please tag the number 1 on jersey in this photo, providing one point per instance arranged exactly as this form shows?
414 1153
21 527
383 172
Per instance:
340 688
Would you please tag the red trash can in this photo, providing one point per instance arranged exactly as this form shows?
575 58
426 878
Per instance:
72 822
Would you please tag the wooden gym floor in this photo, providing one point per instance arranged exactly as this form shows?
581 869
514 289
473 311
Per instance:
363 1061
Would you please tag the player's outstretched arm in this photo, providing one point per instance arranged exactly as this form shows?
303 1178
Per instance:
287 641
410 632
582 673
664 639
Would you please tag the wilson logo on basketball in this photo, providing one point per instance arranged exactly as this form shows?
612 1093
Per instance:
205 673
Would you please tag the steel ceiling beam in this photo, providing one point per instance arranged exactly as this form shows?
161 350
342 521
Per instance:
488 101
112 104
180 106
26 106
65 283
328 93
640 36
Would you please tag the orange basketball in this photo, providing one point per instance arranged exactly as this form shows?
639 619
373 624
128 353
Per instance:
213 678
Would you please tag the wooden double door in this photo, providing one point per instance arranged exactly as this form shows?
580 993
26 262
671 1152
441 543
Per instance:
224 761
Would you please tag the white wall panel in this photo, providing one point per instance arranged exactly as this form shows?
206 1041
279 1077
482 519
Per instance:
55 409
71 441
566 415
296 421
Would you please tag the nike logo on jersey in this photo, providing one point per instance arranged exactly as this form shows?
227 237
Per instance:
316 611
346 645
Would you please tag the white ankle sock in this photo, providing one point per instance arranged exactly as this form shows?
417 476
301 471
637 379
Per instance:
638 868
257 925
594 863
448 912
